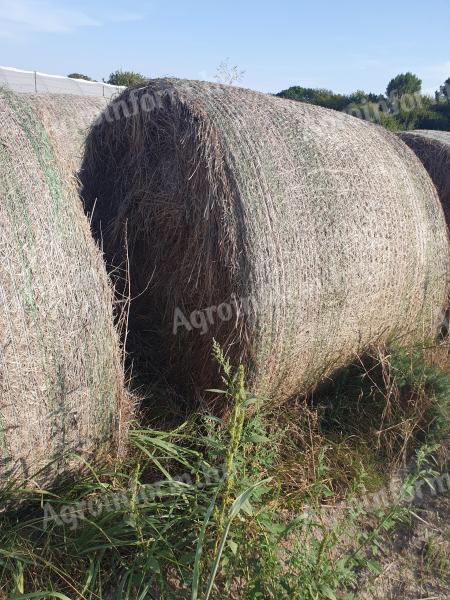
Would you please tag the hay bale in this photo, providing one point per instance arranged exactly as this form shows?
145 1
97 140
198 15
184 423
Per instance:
66 119
61 383
296 236
433 149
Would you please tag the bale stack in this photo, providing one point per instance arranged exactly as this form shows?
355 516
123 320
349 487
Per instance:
433 149
296 236
61 383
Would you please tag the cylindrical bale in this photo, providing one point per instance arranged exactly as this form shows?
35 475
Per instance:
61 382
297 237
433 149
67 119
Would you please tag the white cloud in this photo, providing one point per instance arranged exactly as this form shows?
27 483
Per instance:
21 16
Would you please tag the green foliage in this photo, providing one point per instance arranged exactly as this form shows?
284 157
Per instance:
200 512
360 96
418 378
79 76
404 108
443 93
435 557
436 117
403 396
375 112
388 121
125 78
235 390
320 97
405 83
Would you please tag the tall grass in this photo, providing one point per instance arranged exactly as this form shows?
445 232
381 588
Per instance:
244 506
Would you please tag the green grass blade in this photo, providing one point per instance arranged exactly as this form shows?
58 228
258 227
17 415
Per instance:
234 511
199 549
42 595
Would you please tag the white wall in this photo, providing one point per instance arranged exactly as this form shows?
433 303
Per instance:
32 81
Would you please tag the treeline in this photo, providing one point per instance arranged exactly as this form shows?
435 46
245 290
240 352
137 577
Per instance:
118 77
402 107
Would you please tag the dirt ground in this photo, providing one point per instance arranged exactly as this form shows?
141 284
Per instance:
415 557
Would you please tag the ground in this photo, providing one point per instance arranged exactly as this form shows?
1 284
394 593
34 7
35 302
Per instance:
415 557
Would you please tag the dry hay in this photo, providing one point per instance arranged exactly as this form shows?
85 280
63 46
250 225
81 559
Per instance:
66 119
322 233
61 383
433 149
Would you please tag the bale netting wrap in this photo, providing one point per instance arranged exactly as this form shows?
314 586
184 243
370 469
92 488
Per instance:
61 384
297 237
433 149
66 119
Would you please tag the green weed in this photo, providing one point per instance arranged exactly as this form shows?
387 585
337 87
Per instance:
256 505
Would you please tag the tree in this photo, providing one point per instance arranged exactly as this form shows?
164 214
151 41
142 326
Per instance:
446 86
125 78
444 91
405 83
404 108
318 96
432 120
79 76
228 74
360 96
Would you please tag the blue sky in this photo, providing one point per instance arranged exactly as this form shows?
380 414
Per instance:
339 45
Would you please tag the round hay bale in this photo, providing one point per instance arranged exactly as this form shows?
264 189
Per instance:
67 119
61 383
298 237
433 149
